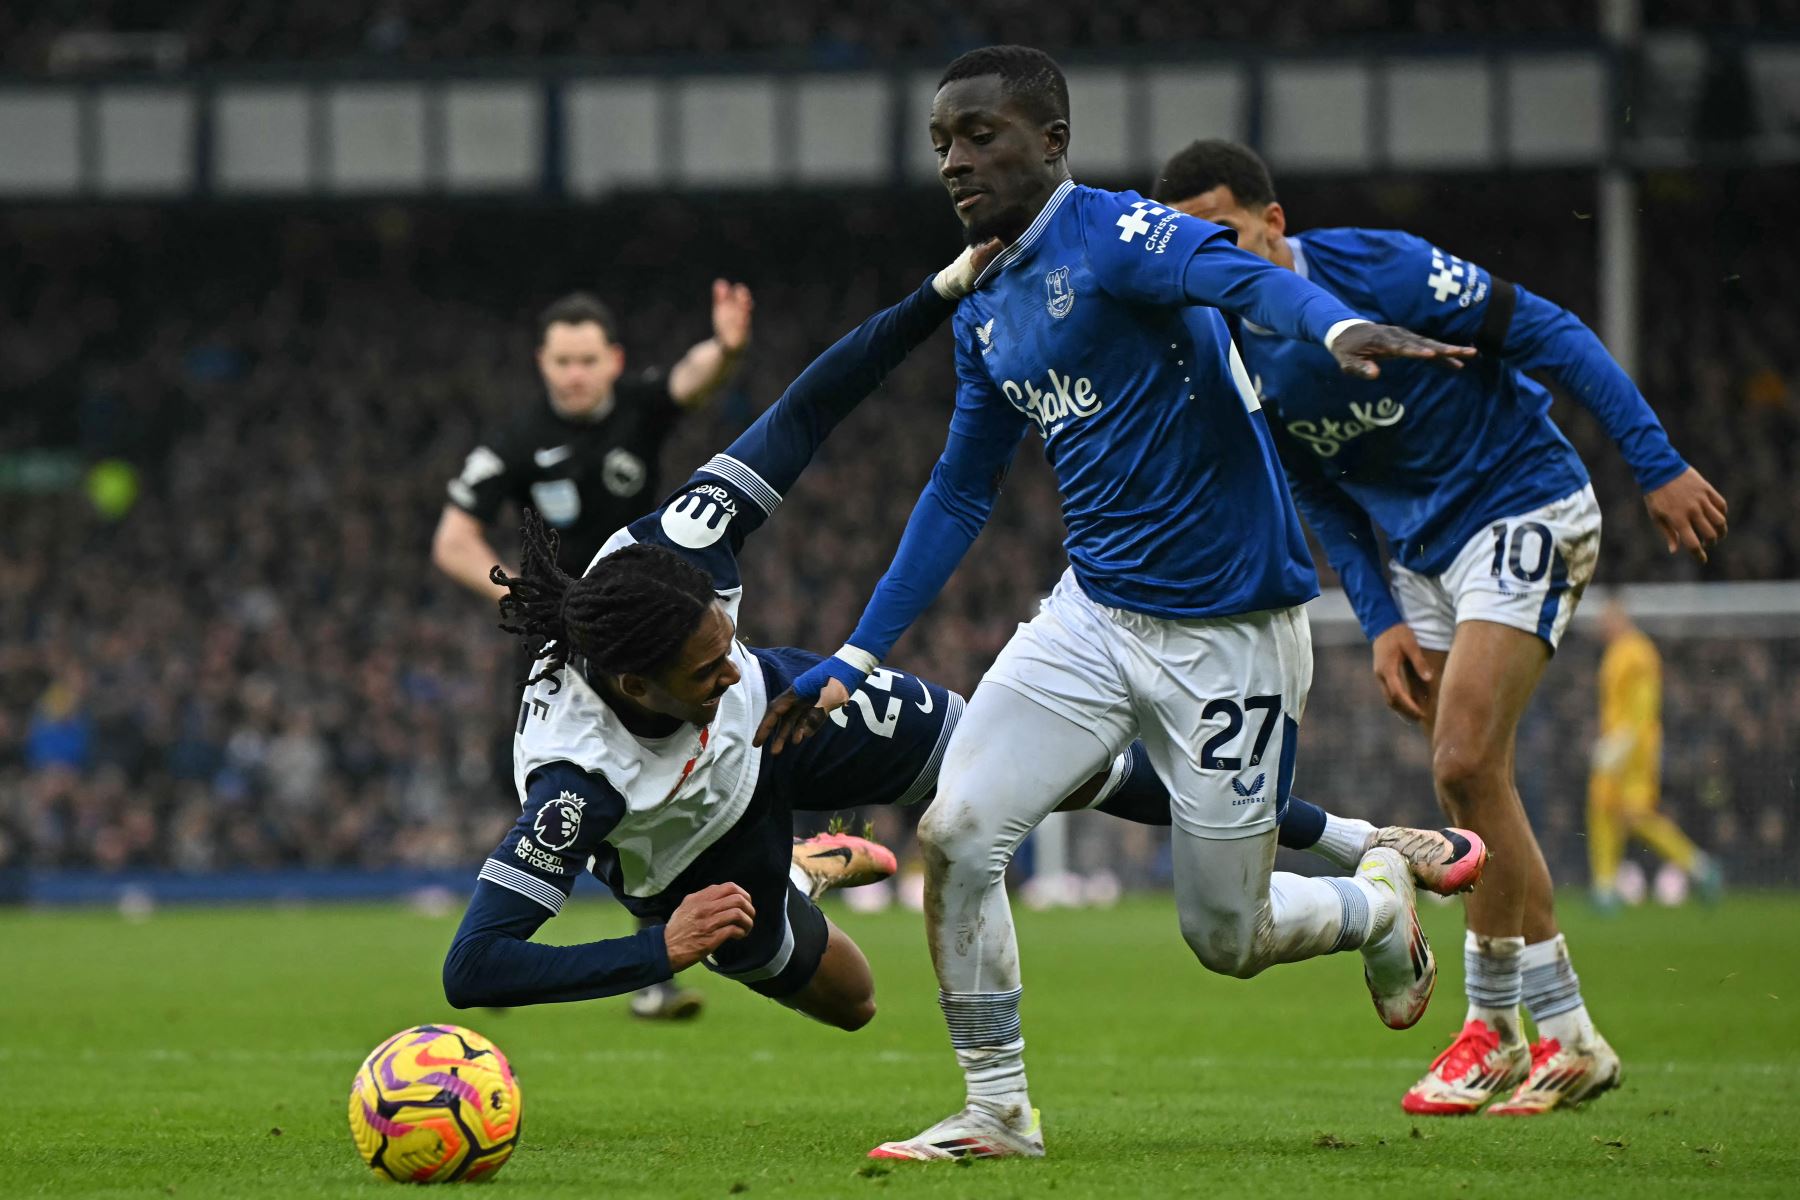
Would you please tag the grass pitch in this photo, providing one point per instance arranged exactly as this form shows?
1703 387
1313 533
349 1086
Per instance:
208 1053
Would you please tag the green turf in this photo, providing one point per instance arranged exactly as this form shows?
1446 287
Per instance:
209 1053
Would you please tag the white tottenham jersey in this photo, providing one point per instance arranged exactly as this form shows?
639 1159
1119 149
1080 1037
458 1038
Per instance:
682 792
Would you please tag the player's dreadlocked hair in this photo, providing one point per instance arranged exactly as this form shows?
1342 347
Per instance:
1204 165
629 615
1029 77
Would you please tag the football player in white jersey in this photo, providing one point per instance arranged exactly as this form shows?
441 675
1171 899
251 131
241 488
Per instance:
633 753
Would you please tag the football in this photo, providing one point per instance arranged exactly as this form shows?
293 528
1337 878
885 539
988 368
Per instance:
434 1104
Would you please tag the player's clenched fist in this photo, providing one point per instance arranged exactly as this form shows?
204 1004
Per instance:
706 920
1403 672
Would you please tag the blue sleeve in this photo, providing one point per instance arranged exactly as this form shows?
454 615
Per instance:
1405 280
1148 254
565 819
1422 287
709 518
494 963
984 434
779 444
1344 530
1224 277
1542 336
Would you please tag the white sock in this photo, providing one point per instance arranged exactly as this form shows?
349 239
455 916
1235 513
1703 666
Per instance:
984 1029
1552 993
1366 911
1384 910
995 1077
1383 901
1321 915
1344 840
802 880
1492 978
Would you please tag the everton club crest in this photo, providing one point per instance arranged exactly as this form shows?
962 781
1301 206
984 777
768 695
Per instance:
1061 295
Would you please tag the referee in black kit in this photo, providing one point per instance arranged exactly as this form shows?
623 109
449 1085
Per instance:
585 456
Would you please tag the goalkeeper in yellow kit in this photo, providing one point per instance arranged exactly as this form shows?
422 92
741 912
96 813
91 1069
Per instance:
1626 780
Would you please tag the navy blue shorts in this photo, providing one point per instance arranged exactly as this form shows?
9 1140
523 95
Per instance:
884 747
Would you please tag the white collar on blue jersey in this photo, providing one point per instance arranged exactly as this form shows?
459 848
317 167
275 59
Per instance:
1009 255
1298 249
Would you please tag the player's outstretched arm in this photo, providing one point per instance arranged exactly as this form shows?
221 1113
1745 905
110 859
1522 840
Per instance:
1541 336
706 920
1225 277
564 819
944 524
1420 286
1360 346
492 961
780 443
735 491
984 433
1182 259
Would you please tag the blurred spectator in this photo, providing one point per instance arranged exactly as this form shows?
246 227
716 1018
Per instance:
60 734
824 32
821 32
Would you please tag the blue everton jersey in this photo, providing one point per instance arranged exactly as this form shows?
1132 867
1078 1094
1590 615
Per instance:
1433 456
1084 331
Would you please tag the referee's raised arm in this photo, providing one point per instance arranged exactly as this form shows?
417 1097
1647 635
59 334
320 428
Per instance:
709 365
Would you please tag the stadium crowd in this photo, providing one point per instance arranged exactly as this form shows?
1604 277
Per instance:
828 32
230 650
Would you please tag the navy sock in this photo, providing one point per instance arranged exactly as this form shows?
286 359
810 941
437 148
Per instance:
1302 825
1141 796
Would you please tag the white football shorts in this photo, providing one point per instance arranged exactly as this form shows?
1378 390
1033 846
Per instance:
1217 701
1526 571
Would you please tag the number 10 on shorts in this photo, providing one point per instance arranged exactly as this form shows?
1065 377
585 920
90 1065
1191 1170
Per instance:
1527 552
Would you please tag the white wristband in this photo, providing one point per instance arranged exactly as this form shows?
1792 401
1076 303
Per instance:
862 660
1331 334
958 279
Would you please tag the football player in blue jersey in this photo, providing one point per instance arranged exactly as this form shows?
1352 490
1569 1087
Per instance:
1180 619
1493 531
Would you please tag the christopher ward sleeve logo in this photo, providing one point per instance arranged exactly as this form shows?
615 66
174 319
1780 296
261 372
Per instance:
1455 278
1135 222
